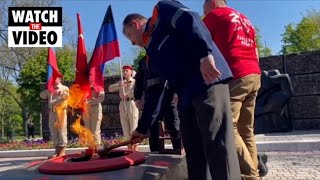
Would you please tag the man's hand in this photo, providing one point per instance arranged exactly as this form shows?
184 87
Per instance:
208 70
139 104
137 137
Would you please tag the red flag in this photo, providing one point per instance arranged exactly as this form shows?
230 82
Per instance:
80 89
53 70
106 49
82 76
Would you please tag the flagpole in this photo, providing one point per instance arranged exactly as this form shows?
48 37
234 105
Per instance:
121 75
120 68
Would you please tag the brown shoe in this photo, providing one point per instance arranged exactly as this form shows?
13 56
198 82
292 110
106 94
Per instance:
56 153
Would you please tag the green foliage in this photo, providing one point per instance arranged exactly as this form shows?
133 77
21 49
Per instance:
66 58
13 60
10 112
33 76
140 54
15 123
112 68
263 50
304 36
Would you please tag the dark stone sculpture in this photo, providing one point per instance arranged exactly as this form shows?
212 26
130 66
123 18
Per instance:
271 113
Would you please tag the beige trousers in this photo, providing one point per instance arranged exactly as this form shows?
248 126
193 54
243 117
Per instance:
129 115
243 93
93 123
58 134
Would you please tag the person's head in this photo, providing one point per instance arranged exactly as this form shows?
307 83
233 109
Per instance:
127 71
133 28
209 5
57 81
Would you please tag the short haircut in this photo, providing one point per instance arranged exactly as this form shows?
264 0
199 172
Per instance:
225 1
127 20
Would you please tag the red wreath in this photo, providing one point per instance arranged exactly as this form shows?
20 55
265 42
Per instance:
63 165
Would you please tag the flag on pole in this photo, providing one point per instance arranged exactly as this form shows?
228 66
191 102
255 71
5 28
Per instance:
80 89
53 70
82 75
106 49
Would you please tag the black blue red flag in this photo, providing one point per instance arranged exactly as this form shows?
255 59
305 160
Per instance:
53 71
106 49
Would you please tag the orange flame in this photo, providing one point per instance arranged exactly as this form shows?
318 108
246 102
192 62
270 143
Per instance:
77 100
61 114
85 135
78 96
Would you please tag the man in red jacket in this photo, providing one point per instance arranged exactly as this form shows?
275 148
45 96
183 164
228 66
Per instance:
235 37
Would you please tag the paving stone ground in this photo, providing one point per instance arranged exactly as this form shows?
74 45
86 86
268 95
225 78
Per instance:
12 163
289 163
293 165
282 165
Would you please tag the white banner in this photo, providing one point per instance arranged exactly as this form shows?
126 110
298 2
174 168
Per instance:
48 36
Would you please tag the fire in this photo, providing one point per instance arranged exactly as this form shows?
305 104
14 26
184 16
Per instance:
85 135
76 100
78 96
60 109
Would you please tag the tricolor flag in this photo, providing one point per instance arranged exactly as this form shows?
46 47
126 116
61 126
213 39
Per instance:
53 70
107 48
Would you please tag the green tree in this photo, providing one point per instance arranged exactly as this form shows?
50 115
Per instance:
263 49
10 112
304 36
34 75
12 60
140 54
112 68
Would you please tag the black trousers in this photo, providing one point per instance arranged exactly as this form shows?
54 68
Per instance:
207 134
30 133
169 114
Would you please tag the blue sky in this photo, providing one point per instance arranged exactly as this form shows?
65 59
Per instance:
270 16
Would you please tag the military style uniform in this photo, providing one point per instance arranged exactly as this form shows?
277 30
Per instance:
129 113
57 103
93 116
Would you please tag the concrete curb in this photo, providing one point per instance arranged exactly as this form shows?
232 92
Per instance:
48 152
291 146
265 146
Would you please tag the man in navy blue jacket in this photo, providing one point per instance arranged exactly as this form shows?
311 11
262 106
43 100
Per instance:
181 50
152 87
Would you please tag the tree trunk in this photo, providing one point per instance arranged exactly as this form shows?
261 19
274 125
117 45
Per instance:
25 118
40 124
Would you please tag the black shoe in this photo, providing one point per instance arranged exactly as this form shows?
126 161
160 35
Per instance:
262 166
